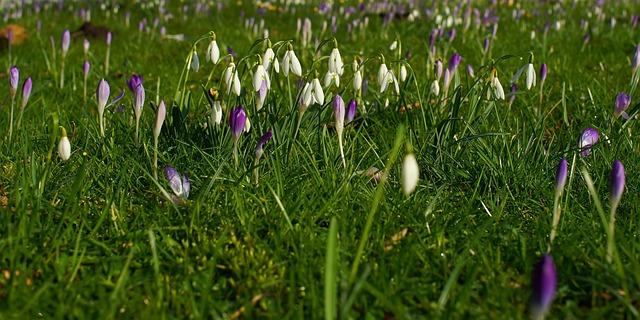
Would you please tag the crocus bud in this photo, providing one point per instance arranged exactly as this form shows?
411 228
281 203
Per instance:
14 77
26 91
543 287
339 113
160 115
64 147
561 175
543 73
85 68
635 61
86 45
588 138
454 61
109 38
512 93
261 143
437 69
470 71
617 183
622 103
102 95
66 40
179 185
351 110
410 174
139 100
237 121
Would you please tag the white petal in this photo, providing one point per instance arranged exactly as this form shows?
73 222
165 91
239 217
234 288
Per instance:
64 148
410 174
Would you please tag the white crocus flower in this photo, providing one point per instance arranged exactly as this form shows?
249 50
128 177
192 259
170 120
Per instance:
213 52
531 76
410 174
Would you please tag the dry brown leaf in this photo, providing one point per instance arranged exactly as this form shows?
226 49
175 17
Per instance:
388 245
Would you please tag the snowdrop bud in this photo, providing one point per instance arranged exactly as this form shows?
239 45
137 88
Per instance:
357 80
64 147
216 112
160 115
403 73
410 174
382 71
435 88
213 52
195 62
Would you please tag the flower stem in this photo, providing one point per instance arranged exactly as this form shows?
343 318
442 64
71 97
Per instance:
235 154
13 98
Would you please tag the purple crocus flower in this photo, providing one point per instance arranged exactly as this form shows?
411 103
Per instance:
485 46
454 61
26 91
588 138
351 111
512 93
616 187
622 103
134 82
66 40
237 120
561 175
14 77
261 143
543 286
85 68
179 185
543 73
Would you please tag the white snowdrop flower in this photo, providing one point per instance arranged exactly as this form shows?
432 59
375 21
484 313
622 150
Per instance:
435 88
216 113
64 146
357 80
381 73
195 62
258 76
388 79
213 52
335 62
267 58
410 174
247 124
393 45
531 76
329 76
498 91
318 94
276 65
403 73
306 98
291 62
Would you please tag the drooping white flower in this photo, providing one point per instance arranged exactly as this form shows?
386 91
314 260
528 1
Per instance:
335 62
403 73
195 62
357 80
291 62
388 79
216 113
410 174
318 93
435 88
498 91
213 52
531 76
267 58
329 76
382 71
64 147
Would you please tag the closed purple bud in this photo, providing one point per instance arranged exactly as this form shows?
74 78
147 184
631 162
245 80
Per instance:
138 102
543 72
470 71
261 143
237 120
66 40
14 77
109 38
85 68
587 37
512 93
561 175
588 138
617 182
134 82
452 34
486 45
543 286
622 103
26 91
454 61
351 110
408 54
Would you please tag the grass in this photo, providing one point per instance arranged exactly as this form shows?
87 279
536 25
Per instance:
88 238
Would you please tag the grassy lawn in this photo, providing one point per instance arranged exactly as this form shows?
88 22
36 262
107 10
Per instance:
311 229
